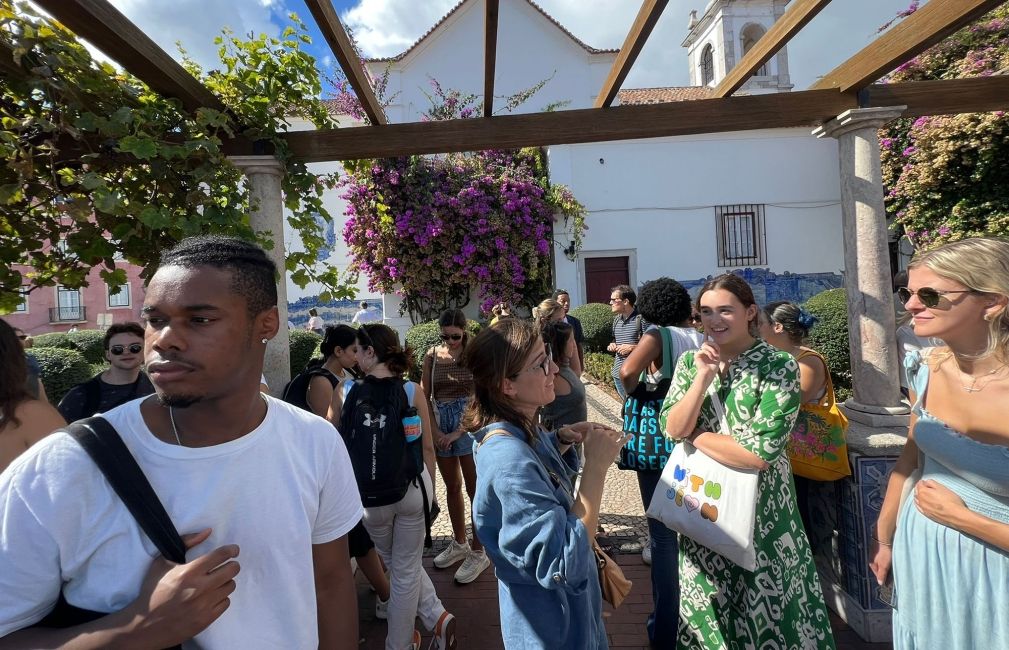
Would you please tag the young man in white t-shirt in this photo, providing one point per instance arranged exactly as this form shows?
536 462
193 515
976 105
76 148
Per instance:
244 477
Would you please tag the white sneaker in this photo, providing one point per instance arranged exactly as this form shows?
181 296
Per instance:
472 567
451 554
381 608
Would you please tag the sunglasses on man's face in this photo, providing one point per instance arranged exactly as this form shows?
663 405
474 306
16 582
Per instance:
135 348
22 336
450 337
927 295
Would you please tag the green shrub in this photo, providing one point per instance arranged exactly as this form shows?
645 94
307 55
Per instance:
597 325
599 365
62 369
304 346
829 336
54 340
89 343
423 336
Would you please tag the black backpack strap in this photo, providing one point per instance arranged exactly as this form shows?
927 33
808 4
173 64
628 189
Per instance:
107 450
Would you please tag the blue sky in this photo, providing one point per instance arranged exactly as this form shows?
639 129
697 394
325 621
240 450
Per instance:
387 27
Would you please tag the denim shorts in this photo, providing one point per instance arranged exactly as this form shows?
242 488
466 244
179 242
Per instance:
449 415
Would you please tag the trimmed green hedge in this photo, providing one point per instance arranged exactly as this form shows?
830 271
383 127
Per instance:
597 325
89 343
599 365
829 336
53 340
62 369
304 346
423 336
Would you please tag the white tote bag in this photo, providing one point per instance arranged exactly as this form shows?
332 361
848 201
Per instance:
709 502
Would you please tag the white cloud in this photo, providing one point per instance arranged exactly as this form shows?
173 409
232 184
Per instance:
387 27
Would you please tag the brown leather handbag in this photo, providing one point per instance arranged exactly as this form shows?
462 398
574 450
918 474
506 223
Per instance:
614 584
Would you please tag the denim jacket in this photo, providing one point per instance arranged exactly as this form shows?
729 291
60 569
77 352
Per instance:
548 582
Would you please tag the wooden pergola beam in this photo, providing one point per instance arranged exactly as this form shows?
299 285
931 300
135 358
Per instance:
921 30
570 127
643 24
339 42
489 55
98 22
779 110
942 97
799 13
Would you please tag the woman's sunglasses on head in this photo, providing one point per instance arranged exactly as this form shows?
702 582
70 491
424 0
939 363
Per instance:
450 337
135 348
927 295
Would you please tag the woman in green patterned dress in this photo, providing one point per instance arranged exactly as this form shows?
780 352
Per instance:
780 604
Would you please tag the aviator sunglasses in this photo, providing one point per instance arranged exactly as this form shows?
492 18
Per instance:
135 348
450 337
927 295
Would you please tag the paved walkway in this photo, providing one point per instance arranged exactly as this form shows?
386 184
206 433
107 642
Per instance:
476 605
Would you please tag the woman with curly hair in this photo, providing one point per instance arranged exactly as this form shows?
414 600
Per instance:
665 303
23 419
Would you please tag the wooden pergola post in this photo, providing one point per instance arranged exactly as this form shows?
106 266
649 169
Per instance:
266 216
875 362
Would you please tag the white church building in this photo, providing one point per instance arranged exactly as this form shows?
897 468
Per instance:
762 203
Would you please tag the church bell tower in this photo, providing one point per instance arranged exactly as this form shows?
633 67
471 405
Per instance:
719 38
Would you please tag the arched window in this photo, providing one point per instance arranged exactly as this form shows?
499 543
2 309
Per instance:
749 37
707 65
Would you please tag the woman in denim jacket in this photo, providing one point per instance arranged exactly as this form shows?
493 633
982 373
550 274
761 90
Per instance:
537 534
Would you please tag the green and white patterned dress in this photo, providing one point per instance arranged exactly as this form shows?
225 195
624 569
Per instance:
779 605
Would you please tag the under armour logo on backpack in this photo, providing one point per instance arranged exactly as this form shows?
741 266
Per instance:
368 422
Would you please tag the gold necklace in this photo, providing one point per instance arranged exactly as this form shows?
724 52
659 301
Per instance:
974 388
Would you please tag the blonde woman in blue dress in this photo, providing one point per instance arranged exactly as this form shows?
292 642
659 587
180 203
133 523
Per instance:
948 544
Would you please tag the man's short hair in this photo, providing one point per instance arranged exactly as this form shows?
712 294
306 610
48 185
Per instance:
626 293
364 305
253 274
560 292
122 328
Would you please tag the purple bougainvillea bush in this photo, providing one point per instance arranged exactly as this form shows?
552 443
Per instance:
945 175
436 229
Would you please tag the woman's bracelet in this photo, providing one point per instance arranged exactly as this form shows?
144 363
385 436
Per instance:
879 541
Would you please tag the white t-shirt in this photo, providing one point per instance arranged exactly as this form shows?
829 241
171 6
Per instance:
316 323
275 492
366 316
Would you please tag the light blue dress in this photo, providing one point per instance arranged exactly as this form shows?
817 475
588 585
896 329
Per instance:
548 582
952 590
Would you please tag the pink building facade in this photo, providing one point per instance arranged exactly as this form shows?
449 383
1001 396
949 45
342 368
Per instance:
58 309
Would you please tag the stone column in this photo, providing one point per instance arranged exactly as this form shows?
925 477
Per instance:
266 216
873 344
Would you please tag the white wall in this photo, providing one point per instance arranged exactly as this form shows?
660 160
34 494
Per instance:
657 197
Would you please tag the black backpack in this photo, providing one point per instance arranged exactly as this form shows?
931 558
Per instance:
296 391
371 423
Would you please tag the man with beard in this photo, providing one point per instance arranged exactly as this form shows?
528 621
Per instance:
121 382
238 473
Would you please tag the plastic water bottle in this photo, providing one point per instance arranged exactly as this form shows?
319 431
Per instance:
412 425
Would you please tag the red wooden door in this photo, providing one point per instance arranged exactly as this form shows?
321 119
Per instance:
602 274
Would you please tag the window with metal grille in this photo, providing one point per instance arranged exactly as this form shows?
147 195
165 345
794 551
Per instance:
740 235
707 65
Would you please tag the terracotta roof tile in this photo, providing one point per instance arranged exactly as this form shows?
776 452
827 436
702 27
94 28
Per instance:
588 48
663 95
